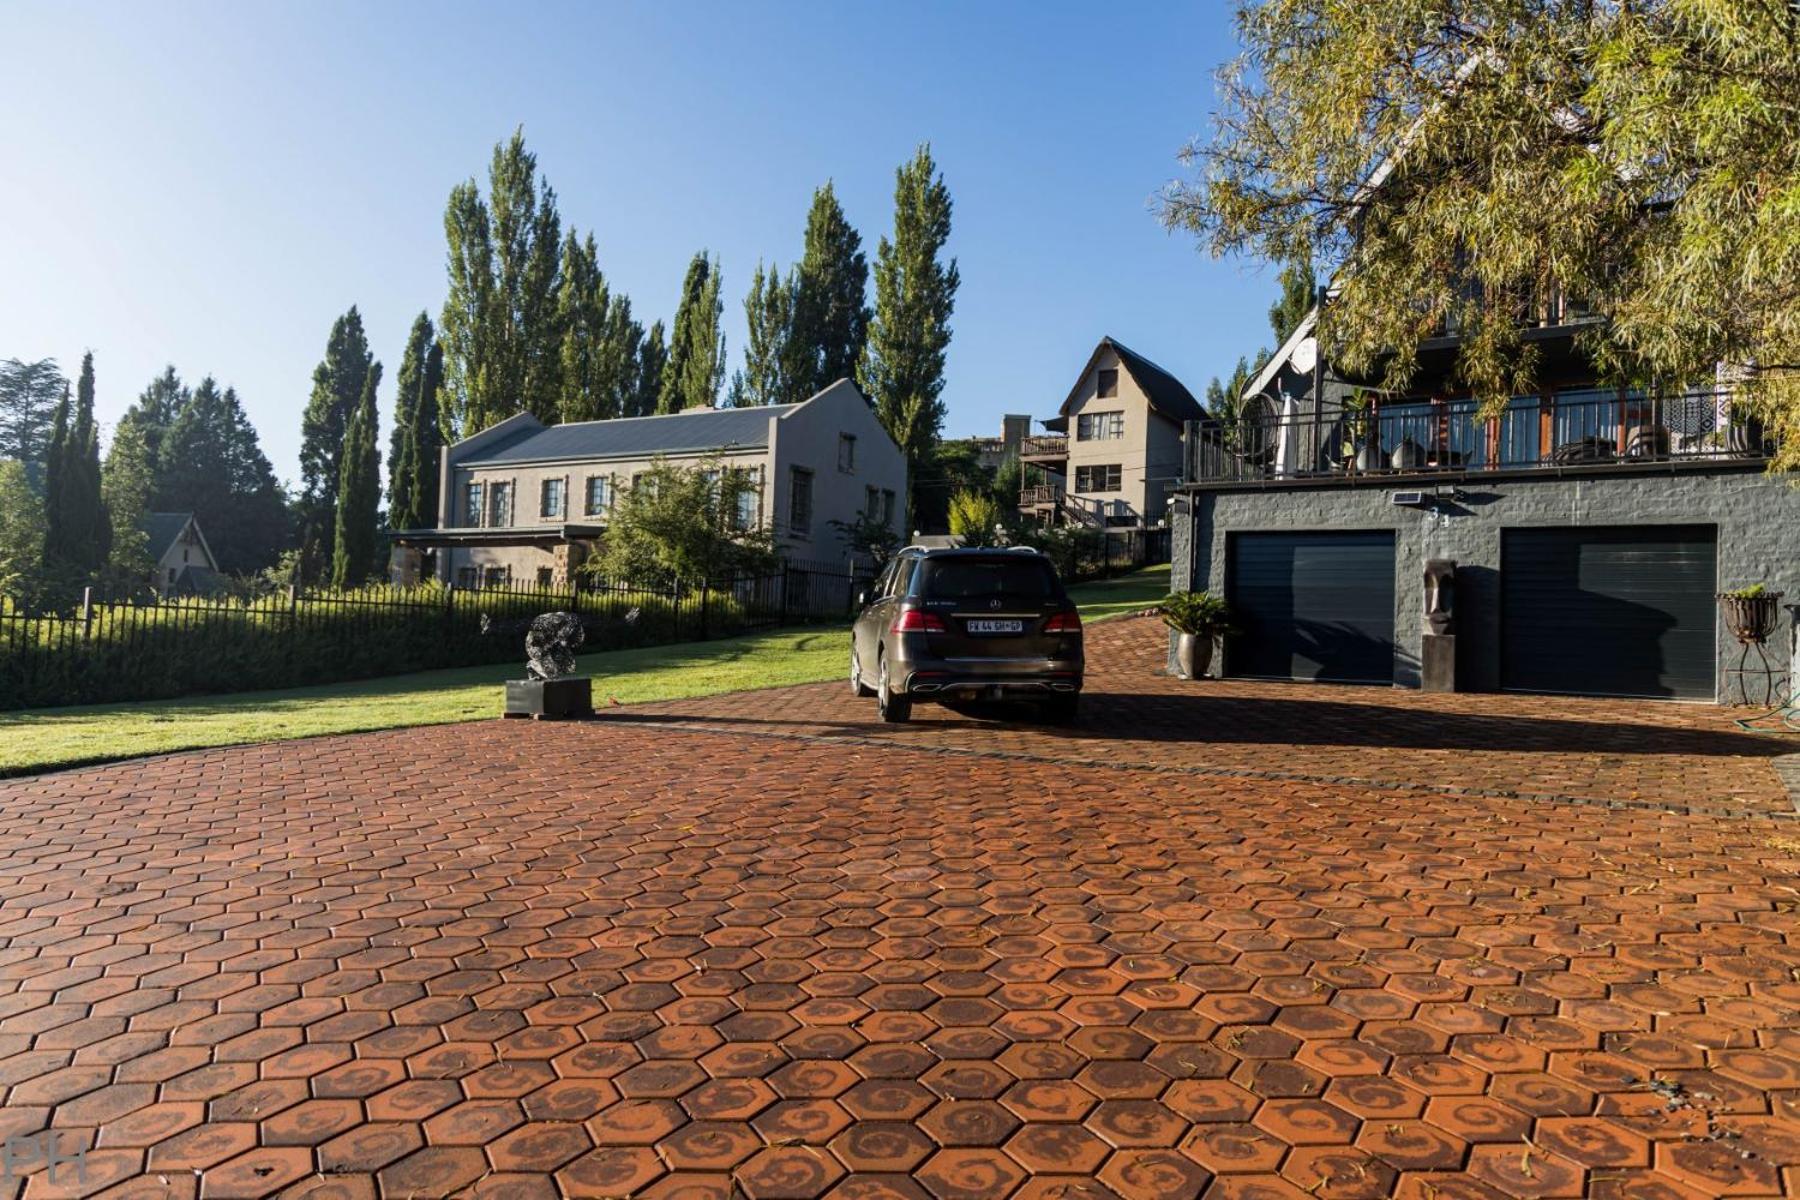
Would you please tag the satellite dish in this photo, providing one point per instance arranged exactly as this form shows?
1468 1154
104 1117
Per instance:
1305 356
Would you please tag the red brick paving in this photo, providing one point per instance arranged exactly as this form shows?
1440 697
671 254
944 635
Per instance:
1690 755
613 959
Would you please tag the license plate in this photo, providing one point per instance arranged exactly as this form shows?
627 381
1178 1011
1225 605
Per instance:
996 626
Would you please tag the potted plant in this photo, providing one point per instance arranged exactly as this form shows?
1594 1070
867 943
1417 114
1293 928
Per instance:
1199 618
1751 612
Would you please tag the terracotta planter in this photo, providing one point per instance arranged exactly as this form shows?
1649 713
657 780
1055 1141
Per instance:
1193 654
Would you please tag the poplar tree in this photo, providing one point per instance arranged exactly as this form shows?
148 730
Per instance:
902 371
830 323
599 338
652 358
501 335
359 493
768 350
696 364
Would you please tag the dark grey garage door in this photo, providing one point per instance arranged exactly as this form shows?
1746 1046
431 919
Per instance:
1312 606
1609 611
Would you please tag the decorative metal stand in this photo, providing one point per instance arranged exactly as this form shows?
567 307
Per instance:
1752 620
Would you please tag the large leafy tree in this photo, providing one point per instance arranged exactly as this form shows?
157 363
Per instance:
28 395
502 338
696 364
915 292
418 435
211 464
337 388
1454 162
77 531
830 324
359 492
21 532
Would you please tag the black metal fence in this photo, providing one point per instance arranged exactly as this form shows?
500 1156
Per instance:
1380 437
99 652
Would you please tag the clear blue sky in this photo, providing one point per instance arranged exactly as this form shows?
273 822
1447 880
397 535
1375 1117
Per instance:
209 184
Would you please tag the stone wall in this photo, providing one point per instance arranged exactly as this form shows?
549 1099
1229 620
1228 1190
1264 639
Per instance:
1757 517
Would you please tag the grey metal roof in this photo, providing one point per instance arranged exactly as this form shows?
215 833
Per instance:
691 432
161 530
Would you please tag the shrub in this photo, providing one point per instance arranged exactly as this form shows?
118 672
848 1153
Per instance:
978 519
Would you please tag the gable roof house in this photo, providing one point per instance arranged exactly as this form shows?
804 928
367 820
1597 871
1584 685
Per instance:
522 503
1588 526
1114 450
184 562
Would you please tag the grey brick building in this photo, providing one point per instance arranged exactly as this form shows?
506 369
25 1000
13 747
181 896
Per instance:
1591 528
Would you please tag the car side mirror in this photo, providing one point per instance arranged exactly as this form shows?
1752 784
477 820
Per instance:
862 598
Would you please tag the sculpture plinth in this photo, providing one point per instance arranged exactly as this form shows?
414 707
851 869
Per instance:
567 697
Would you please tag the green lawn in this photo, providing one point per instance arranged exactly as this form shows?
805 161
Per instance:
1103 599
43 739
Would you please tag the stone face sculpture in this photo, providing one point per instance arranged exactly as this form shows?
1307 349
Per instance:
1440 595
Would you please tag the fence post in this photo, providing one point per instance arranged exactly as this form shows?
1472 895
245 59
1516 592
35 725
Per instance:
705 606
87 613
676 605
783 618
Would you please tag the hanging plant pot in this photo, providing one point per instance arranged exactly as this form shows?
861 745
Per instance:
1751 616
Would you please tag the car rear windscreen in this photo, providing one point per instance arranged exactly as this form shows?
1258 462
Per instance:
963 578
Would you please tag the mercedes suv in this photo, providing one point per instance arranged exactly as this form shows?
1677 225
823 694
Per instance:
951 625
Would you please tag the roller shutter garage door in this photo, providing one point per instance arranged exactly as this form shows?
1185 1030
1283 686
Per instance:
1312 606
1610 611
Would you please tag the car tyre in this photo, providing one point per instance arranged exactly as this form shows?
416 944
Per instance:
858 688
895 710
1063 708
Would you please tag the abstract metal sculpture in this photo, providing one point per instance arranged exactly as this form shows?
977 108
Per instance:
550 645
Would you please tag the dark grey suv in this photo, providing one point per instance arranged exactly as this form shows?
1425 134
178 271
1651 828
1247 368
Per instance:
968 625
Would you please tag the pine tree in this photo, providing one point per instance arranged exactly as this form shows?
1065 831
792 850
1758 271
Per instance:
652 359
769 314
502 339
696 364
211 464
338 383
417 435
830 309
359 494
903 369
131 479
28 396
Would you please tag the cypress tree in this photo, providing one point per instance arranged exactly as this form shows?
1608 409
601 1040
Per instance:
56 483
87 526
830 310
337 388
696 364
419 341
902 370
417 435
359 493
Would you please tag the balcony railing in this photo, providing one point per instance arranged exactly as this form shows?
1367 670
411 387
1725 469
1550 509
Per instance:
1038 494
1402 438
1044 447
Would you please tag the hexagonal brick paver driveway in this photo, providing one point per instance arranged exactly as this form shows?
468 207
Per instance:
623 959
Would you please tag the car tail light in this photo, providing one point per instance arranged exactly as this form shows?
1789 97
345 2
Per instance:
913 620
1064 622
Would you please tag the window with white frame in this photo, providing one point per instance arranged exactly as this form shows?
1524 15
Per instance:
1099 426
472 508
1098 478
550 500
745 509
597 498
499 505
